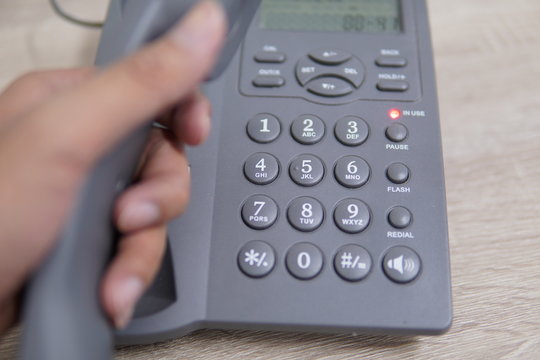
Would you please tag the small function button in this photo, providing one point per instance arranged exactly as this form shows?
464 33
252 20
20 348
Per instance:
352 262
397 173
307 129
396 132
256 259
263 128
330 56
401 264
306 170
352 71
399 217
391 61
352 171
268 81
351 131
352 216
261 168
305 213
330 87
270 57
393 85
304 261
259 212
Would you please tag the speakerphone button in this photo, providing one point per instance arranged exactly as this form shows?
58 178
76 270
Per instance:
330 56
396 132
271 57
391 61
401 264
330 87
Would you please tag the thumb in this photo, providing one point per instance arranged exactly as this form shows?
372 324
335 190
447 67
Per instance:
100 112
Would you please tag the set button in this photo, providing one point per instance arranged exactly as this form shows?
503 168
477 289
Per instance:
330 72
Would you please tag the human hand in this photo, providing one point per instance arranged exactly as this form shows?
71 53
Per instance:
56 125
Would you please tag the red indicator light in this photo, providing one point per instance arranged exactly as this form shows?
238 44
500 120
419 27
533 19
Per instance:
394 114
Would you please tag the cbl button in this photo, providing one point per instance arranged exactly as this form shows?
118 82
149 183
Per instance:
270 57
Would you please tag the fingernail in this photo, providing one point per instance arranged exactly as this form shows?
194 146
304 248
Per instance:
138 216
127 293
199 27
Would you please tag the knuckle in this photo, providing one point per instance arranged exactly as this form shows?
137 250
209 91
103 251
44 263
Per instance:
32 82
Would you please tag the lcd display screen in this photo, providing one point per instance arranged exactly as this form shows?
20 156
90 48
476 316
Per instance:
366 16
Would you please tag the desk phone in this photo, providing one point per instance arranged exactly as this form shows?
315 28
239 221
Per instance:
318 202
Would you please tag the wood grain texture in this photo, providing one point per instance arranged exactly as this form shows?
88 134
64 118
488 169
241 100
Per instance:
488 65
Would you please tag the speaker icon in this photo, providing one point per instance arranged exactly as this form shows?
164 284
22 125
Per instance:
401 264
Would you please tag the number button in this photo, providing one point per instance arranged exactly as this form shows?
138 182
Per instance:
256 259
351 131
307 129
306 170
304 261
259 212
305 213
352 262
261 168
263 128
352 171
352 216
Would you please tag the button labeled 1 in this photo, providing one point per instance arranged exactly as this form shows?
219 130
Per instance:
263 128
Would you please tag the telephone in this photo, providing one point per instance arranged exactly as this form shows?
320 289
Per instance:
318 201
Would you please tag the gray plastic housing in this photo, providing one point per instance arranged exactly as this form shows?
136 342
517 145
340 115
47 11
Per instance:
62 316
201 285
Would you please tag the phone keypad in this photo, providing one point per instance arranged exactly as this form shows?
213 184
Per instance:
306 214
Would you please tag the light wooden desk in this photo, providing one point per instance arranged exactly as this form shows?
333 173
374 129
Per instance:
488 63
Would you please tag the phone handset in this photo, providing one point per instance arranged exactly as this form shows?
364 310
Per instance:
62 316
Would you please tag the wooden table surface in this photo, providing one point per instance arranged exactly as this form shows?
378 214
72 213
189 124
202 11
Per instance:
488 63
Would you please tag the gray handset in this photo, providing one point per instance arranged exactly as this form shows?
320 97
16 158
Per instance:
62 313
